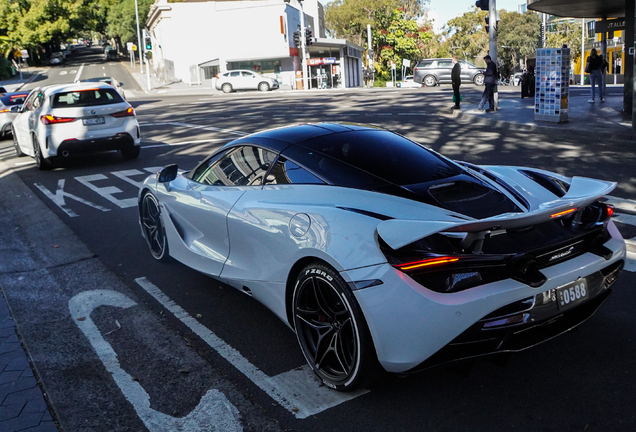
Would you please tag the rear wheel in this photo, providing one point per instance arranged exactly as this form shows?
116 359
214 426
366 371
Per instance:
130 152
263 87
430 81
16 145
153 228
227 88
332 331
40 161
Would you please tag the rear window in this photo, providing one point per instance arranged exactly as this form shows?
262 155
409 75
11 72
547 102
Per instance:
382 154
13 99
425 64
84 98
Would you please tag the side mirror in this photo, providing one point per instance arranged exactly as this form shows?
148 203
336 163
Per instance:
167 173
121 84
15 109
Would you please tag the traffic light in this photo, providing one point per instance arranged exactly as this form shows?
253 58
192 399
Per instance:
308 36
483 4
148 43
297 39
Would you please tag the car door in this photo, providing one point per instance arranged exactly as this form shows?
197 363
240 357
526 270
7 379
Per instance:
26 120
250 80
236 80
444 68
200 203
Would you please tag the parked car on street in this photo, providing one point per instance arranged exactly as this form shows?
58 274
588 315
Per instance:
431 72
383 255
244 80
408 83
56 58
516 78
68 119
110 53
10 103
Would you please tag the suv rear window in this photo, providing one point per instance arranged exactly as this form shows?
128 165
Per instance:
84 98
425 64
13 99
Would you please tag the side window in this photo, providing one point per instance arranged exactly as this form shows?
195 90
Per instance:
244 166
248 75
28 104
235 74
444 64
287 172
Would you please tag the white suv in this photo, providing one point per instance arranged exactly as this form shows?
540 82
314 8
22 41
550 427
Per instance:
69 119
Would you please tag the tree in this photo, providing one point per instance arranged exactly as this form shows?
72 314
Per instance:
566 32
517 37
466 35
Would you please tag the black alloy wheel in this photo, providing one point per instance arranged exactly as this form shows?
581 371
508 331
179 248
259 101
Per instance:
331 330
16 146
40 161
154 230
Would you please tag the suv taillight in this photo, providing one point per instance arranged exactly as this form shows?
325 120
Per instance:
49 119
129 112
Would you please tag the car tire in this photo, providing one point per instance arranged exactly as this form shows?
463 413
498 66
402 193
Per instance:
263 87
429 81
152 225
227 88
42 163
331 330
130 152
479 79
16 145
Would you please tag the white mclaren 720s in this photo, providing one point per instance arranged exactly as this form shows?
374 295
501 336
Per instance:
383 255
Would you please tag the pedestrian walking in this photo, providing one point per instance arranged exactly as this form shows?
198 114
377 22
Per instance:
593 67
456 79
490 81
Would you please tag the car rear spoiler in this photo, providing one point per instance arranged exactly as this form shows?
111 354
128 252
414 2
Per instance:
583 191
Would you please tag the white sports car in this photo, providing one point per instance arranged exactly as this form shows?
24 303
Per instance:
384 255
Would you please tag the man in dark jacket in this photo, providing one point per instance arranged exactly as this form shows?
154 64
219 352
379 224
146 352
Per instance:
456 78
490 81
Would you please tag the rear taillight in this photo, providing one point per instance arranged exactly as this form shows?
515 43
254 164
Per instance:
129 112
49 119
426 263
610 210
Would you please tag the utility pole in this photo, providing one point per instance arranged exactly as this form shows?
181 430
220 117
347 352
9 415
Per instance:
303 39
492 47
141 68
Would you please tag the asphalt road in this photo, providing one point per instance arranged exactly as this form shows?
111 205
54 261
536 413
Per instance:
213 338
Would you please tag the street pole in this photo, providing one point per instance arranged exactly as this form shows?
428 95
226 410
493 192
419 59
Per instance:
582 50
302 44
369 56
141 68
492 47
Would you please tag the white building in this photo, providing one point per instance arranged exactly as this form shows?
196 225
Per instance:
193 40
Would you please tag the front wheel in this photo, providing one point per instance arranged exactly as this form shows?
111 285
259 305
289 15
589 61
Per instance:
332 331
430 81
263 87
153 228
479 79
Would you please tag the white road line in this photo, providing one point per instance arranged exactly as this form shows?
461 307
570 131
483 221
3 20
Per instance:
214 411
79 73
298 390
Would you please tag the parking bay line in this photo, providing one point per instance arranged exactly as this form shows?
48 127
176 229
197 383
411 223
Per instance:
298 390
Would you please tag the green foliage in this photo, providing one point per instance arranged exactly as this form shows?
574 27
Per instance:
5 68
565 32
466 36
517 38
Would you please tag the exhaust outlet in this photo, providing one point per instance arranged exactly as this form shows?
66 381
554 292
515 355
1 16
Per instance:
65 153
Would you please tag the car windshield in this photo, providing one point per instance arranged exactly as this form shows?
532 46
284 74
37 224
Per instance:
88 97
383 154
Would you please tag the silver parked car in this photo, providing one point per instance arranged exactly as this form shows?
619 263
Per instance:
431 72
244 80
10 103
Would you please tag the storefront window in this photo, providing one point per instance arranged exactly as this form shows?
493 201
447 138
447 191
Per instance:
261 66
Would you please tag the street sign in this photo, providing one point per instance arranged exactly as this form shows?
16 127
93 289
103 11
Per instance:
129 46
17 53
134 47
25 54
406 63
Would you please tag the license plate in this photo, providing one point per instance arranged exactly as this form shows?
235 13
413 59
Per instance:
572 294
94 121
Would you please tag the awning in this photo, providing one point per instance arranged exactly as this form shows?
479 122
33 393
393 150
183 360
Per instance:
579 8
209 63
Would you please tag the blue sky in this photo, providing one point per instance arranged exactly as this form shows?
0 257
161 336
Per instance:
449 9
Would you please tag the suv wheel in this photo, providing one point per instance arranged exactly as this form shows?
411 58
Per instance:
479 79
430 81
